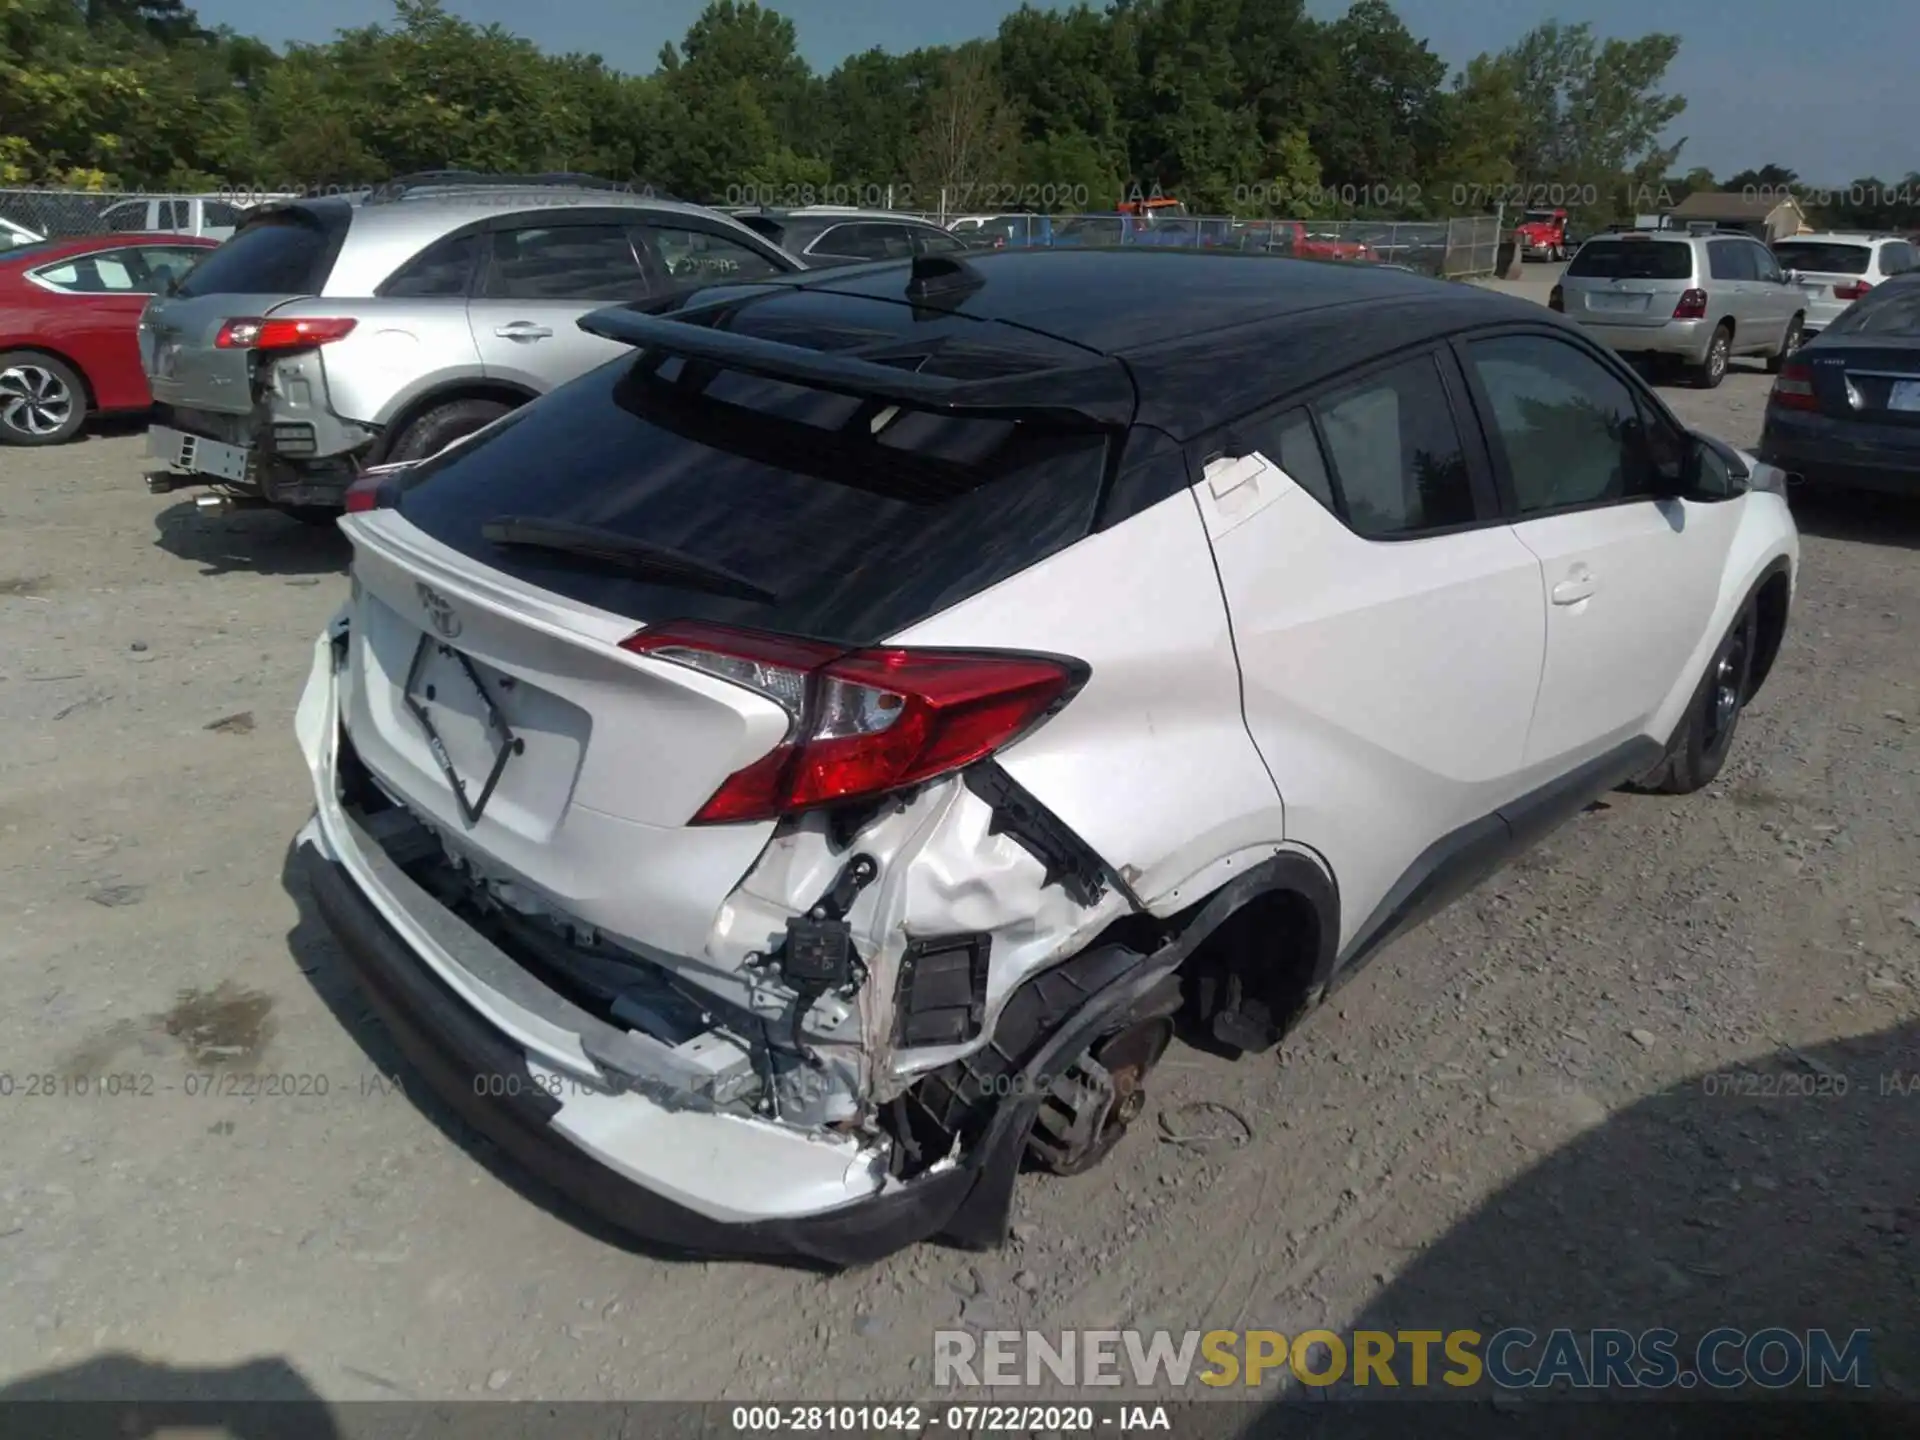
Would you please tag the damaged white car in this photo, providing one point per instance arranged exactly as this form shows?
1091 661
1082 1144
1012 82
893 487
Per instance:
784 782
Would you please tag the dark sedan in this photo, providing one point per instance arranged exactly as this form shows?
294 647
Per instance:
1846 408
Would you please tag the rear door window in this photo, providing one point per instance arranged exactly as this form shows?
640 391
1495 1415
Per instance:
866 241
278 255
125 218
1398 465
564 262
1633 260
441 271
857 535
1728 260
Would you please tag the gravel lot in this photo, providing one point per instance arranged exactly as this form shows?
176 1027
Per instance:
1503 1120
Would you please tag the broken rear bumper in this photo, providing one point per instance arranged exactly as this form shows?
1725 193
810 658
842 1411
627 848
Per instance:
489 1083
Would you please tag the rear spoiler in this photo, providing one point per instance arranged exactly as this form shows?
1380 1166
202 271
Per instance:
1098 394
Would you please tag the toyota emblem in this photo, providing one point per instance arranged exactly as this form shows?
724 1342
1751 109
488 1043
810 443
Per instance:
439 610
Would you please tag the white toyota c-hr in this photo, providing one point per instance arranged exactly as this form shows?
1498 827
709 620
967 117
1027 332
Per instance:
784 781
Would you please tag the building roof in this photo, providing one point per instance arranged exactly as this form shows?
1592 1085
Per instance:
1729 205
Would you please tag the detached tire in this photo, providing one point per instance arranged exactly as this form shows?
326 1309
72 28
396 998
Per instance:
42 400
439 427
1699 747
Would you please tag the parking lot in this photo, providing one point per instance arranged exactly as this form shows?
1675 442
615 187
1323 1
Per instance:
1503 1120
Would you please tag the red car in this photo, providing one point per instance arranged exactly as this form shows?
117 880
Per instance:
69 317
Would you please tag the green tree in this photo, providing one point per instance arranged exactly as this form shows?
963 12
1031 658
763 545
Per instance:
967 138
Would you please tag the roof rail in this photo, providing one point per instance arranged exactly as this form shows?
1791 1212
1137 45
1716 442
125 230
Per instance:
1098 394
401 185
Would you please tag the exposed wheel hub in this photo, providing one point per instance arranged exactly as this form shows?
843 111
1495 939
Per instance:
1088 1109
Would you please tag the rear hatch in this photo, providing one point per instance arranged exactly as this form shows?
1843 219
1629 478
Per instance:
1628 281
515 566
1828 273
281 256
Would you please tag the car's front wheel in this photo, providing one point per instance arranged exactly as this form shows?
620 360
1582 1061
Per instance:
1699 747
42 401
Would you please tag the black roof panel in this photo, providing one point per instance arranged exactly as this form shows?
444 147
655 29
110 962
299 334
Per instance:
1120 299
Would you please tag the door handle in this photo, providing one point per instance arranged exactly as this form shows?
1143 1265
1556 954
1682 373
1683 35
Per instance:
1573 590
522 330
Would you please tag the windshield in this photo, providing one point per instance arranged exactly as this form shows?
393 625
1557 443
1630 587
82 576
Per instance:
1823 257
1540 217
846 534
1634 259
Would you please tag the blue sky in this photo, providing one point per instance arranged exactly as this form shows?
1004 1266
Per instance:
1831 94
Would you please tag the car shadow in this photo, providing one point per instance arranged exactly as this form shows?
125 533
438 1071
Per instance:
1866 516
318 956
118 1396
264 542
1783 1193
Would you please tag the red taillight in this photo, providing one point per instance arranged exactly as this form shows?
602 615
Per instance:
1692 306
258 334
862 723
364 494
1557 300
1793 390
1852 290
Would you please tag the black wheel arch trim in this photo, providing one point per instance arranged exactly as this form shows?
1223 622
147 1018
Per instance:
1771 634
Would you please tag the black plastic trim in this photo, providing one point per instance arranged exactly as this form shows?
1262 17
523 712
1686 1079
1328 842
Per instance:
1068 859
1456 862
910 1005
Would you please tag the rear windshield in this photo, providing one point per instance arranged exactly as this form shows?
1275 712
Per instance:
276 255
1823 256
1892 310
857 535
1634 260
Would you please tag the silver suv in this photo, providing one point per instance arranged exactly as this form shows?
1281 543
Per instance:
1697 298
334 334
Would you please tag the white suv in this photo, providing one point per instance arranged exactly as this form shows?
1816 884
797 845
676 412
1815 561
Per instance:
787 778
1833 271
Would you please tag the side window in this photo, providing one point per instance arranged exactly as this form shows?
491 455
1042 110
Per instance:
853 242
1397 461
1723 259
564 262
1568 428
1289 442
219 213
176 214
126 217
168 264
441 271
1897 258
1765 267
698 257
106 272
935 242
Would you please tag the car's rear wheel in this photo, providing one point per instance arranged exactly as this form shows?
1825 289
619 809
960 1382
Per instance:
1789 343
1708 374
432 432
42 401
1699 747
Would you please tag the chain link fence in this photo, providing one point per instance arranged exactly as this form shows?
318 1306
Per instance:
1454 249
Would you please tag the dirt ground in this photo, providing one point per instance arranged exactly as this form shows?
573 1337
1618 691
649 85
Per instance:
1505 1119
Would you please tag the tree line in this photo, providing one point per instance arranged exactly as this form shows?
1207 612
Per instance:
1241 106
